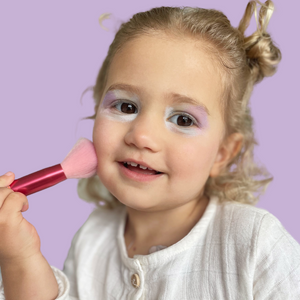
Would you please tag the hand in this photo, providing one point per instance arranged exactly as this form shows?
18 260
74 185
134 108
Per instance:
19 239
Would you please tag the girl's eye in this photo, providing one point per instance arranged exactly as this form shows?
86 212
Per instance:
183 120
126 108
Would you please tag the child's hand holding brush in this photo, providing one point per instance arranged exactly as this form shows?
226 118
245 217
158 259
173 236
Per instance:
26 274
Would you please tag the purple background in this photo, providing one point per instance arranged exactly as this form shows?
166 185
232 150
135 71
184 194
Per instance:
51 52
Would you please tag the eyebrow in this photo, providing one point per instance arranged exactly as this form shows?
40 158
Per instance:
177 98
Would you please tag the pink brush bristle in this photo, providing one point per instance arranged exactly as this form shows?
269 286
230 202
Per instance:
81 161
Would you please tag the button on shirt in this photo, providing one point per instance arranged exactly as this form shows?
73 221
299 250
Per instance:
235 251
135 280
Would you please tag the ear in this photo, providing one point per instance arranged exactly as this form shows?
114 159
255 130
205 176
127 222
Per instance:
227 151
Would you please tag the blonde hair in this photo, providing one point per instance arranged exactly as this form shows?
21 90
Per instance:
244 62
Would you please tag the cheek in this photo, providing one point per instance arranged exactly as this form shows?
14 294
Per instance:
105 136
194 159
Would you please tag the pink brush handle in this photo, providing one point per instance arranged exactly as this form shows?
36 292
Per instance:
39 180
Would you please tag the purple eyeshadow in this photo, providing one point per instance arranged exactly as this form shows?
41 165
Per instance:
198 113
108 99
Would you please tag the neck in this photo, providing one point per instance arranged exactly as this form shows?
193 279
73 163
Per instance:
146 229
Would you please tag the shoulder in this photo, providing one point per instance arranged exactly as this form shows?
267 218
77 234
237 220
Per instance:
256 227
261 241
239 222
257 241
244 225
241 211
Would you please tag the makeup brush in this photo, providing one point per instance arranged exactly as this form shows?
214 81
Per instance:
81 162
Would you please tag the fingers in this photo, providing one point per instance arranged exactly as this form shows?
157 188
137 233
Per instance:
13 203
7 179
4 192
12 207
25 207
10 201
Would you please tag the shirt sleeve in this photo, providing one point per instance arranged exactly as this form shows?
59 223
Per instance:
1 287
69 270
63 285
277 272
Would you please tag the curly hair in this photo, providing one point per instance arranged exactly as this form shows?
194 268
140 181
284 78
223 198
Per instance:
244 61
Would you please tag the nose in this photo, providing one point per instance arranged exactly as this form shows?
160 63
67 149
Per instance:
145 132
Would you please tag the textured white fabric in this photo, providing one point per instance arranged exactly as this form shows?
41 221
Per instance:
235 251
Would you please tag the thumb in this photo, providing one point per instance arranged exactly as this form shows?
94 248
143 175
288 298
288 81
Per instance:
7 179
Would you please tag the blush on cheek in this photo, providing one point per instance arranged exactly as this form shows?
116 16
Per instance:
105 143
103 131
198 159
101 138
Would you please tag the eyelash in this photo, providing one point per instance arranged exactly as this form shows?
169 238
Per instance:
114 105
194 122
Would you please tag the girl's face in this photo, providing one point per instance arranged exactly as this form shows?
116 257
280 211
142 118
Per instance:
160 108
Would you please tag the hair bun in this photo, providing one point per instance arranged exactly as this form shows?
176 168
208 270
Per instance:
263 56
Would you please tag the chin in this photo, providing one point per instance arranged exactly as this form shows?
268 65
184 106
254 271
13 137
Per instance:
140 205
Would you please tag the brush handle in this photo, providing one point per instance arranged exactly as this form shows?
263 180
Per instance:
39 180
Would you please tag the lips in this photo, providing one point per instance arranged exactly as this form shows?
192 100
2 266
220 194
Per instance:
137 174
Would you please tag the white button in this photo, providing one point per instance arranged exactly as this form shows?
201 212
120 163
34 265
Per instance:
135 280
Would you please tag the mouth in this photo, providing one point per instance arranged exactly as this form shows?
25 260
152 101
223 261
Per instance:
139 168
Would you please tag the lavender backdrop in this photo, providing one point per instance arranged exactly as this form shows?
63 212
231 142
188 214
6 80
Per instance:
51 52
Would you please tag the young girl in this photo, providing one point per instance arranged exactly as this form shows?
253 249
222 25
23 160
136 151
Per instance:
174 140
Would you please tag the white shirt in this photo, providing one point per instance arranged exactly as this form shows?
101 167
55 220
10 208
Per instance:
235 251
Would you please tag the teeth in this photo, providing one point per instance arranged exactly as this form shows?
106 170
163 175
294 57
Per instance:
132 163
135 165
